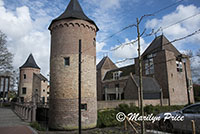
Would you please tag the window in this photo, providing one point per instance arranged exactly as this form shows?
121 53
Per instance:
22 99
24 76
149 66
43 90
47 92
94 42
36 90
67 61
84 106
23 90
179 66
116 75
116 85
190 83
43 100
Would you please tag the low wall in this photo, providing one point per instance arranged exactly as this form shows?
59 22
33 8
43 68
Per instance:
115 103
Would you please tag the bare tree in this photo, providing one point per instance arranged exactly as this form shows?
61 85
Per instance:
6 60
5 56
195 69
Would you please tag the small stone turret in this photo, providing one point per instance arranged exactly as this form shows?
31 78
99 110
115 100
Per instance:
66 31
26 79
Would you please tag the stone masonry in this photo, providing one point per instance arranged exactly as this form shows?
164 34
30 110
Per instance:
65 36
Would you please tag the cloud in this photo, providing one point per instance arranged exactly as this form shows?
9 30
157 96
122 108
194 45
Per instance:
181 29
1 3
104 14
128 51
26 35
99 47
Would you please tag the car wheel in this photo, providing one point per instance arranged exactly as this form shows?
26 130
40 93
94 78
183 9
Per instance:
161 125
168 126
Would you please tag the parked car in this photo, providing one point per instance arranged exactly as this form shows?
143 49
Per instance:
171 121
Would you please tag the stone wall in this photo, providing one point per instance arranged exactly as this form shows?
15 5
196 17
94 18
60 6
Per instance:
115 103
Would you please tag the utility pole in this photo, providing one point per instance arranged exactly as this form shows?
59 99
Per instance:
79 86
186 78
140 80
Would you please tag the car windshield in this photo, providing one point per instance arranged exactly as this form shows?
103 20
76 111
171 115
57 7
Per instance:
192 109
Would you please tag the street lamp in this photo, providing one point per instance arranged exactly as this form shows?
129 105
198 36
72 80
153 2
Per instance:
184 59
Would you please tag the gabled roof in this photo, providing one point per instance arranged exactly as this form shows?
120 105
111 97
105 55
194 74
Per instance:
40 76
107 63
30 63
73 11
150 85
125 71
160 43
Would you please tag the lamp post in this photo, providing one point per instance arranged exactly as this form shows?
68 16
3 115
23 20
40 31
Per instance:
186 78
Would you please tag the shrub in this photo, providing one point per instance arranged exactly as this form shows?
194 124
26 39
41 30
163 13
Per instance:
160 109
107 118
37 126
125 108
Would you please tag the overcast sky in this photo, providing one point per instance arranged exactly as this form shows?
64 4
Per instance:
25 22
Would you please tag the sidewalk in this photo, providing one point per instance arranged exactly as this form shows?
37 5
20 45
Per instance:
10 123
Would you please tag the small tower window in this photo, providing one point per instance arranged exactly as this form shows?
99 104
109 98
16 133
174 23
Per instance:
94 42
23 90
67 61
84 107
24 76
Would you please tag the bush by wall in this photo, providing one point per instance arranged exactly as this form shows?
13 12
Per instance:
107 118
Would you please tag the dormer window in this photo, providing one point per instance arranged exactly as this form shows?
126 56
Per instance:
179 66
116 75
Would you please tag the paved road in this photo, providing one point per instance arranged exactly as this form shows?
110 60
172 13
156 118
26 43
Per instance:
10 123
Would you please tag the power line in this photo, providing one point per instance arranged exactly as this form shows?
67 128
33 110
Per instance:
175 40
154 32
132 25
181 21
173 4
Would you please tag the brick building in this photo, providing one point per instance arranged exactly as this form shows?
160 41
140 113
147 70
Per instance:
33 86
166 76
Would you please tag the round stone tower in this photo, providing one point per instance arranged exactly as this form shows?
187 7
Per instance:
66 32
26 79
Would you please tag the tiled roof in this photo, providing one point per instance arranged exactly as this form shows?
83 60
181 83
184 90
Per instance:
150 85
106 63
125 72
74 11
160 43
41 77
30 63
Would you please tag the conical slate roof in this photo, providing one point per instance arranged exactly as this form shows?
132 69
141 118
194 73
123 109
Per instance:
74 11
30 63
